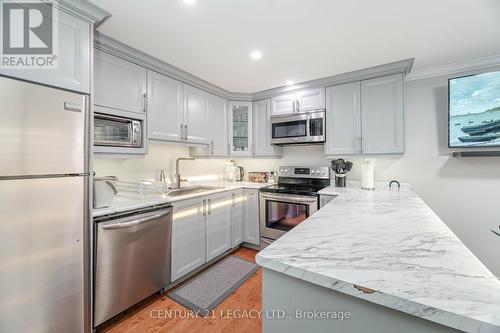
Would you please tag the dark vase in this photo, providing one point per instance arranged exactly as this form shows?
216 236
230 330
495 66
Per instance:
340 180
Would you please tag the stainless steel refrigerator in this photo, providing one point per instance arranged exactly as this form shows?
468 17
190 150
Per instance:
44 210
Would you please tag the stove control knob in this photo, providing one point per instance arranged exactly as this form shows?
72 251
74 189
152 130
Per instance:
313 172
323 172
282 170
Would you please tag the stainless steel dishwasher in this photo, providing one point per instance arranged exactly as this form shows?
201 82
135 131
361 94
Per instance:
132 258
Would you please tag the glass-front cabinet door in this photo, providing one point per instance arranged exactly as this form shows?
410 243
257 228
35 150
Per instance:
240 123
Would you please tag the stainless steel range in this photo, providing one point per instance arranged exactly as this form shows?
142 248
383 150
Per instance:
292 200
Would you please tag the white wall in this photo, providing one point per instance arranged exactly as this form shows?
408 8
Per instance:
464 192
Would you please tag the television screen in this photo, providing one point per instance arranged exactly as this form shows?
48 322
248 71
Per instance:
474 111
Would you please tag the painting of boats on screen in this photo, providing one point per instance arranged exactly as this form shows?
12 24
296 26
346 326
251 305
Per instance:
474 111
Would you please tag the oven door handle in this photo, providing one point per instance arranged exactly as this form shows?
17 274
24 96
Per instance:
291 198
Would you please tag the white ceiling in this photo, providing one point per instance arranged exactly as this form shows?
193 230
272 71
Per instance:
302 39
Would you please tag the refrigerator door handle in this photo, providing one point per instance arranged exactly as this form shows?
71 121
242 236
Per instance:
68 106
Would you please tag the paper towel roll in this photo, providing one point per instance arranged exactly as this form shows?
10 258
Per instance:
367 177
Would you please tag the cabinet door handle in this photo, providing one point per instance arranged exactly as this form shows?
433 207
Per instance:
212 149
186 132
144 103
182 132
293 106
234 201
204 208
209 206
297 105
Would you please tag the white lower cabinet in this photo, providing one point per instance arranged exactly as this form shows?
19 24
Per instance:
218 222
324 199
236 218
205 227
188 236
251 216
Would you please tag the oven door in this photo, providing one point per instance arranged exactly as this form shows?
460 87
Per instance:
280 213
289 129
112 131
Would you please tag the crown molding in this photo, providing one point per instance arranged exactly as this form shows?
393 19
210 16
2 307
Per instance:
454 68
397 67
118 49
83 9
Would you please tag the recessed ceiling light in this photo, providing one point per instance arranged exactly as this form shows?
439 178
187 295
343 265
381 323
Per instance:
289 82
256 55
190 2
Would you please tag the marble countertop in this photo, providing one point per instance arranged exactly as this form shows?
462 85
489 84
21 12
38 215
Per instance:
390 248
130 201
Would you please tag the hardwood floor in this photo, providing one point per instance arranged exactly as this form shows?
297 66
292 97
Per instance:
144 317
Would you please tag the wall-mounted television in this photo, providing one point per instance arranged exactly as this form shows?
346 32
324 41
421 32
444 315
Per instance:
474 111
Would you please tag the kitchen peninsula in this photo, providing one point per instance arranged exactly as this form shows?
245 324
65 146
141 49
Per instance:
385 257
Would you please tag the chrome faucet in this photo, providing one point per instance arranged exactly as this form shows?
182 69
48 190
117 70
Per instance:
177 176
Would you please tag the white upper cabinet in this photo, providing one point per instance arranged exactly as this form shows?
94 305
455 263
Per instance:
165 110
176 111
365 117
382 115
283 104
218 127
301 101
218 224
310 99
261 146
196 115
73 56
343 119
240 128
119 84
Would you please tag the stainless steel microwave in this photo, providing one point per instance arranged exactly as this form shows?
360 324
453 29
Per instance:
112 131
298 128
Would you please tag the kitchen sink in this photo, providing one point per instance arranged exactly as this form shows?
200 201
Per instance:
192 190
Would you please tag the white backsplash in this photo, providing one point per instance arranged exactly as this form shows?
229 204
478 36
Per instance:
162 156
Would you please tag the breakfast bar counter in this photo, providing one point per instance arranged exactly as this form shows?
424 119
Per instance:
387 248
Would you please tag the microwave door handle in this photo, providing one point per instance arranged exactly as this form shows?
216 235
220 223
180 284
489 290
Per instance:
308 128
